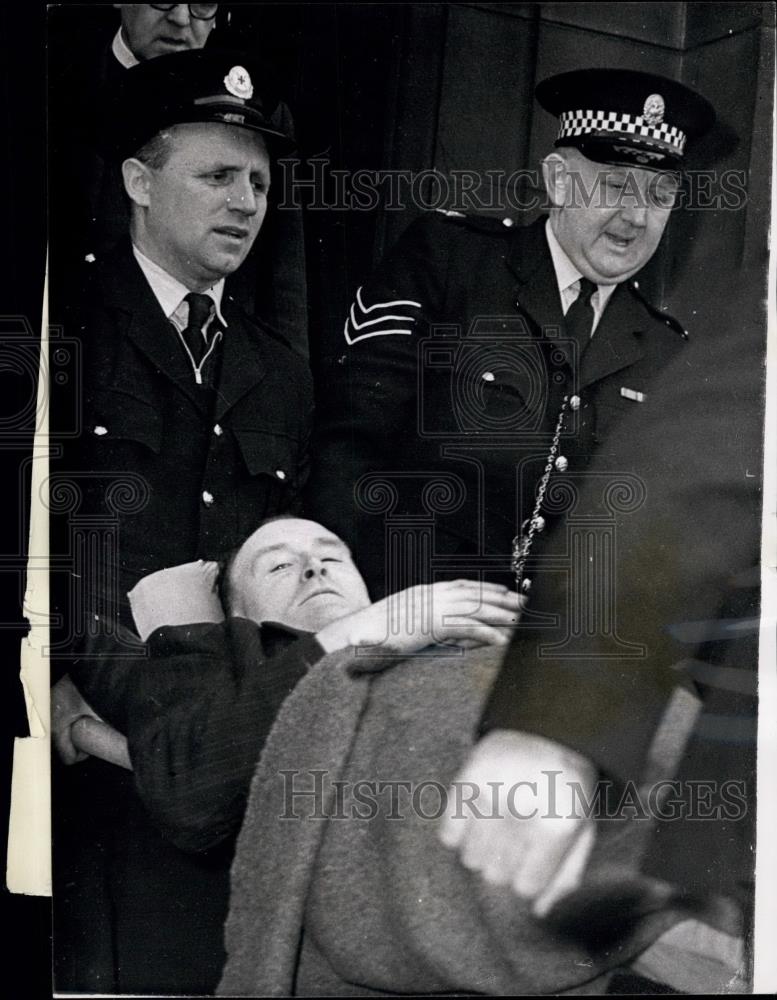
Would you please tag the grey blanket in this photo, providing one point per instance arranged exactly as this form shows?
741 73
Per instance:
348 891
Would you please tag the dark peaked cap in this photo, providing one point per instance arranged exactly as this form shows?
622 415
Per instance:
201 85
625 117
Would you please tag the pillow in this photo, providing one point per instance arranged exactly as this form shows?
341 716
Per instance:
180 595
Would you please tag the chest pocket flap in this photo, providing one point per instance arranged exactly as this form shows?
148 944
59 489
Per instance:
264 453
114 415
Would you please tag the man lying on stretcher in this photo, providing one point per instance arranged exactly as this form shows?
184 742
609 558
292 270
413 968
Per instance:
197 711
205 701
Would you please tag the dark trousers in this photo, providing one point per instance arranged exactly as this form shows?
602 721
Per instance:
132 913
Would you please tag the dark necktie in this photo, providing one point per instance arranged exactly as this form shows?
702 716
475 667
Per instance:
579 319
199 313
200 345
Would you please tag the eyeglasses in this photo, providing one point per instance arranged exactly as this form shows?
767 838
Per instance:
199 11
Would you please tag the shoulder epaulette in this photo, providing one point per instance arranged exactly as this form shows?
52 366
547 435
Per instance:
664 317
489 224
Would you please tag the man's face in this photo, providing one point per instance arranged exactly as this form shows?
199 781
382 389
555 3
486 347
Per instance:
610 219
205 206
297 573
150 33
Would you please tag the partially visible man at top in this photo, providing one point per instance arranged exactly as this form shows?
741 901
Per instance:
88 207
195 420
156 29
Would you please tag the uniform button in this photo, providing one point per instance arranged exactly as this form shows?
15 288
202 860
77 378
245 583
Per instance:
217 430
526 585
100 431
561 464
574 402
280 473
90 258
488 376
207 498
507 221
539 523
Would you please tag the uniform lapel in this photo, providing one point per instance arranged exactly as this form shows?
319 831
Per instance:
244 361
616 342
125 288
537 292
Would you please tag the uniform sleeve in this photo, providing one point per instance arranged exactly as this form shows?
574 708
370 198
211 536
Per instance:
369 392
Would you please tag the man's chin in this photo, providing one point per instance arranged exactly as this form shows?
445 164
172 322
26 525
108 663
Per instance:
322 611
614 272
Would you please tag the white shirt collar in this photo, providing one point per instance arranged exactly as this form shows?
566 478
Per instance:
170 292
568 276
122 51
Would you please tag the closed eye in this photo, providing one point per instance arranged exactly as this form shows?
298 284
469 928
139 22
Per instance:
279 566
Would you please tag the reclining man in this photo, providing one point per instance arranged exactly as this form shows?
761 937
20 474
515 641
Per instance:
198 711
293 595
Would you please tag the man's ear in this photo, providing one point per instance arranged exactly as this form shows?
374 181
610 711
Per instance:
137 181
555 175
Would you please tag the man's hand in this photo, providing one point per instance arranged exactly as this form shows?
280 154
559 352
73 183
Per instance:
67 706
457 612
516 814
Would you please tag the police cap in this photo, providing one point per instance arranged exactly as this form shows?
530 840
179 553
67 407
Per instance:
625 117
200 85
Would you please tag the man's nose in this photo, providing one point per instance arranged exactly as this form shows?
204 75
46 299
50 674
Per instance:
634 212
243 197
179 14
314 568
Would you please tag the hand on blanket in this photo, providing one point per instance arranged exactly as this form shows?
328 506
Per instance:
516 815
455 612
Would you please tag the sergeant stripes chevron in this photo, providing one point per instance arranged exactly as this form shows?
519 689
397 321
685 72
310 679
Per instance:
383 322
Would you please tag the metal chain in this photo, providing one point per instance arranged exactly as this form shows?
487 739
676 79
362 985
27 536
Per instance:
522 542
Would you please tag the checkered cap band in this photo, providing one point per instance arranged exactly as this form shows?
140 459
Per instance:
577 123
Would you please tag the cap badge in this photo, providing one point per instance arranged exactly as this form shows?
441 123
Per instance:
653 111
238 83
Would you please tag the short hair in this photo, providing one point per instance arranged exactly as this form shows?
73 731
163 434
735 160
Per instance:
156 152
223 584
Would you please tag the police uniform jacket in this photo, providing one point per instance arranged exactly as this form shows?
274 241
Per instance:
186 471
162 471
442 404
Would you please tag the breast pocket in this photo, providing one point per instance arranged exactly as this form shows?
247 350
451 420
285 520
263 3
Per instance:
115 416
626 401
274 455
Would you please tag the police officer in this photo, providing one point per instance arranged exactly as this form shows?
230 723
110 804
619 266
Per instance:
483 363
461 349
195 425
